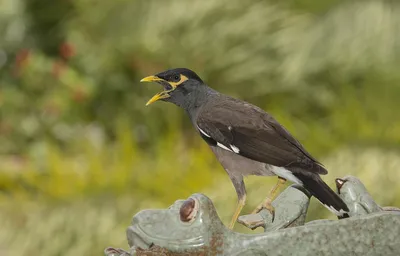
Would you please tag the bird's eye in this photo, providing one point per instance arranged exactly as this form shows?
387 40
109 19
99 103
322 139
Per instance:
176 78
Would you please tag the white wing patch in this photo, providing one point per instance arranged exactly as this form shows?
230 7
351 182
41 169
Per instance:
203 132
223 146
235 149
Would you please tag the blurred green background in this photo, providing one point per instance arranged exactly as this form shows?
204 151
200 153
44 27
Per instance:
80 153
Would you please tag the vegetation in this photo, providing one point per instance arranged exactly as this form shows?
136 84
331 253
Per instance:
80 153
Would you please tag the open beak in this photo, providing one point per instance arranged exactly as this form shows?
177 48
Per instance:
161 95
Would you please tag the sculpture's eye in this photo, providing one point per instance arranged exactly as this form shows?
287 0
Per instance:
339 184
189 210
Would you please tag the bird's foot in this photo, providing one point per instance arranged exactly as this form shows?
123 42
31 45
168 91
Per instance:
266 204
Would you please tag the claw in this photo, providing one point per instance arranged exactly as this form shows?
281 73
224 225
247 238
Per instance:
265 205
270 208
272 213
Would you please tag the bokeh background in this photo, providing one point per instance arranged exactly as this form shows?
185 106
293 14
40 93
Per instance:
80 153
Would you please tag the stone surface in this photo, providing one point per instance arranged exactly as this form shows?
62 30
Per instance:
356 196
192 227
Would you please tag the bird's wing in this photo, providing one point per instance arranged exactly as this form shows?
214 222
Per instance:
249 131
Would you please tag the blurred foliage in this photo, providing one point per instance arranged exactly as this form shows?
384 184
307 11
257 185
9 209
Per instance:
79 149
109 171
298 66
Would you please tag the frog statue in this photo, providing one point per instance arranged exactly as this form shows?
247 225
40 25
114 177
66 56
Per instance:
192 227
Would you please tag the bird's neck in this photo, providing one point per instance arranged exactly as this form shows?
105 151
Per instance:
192 105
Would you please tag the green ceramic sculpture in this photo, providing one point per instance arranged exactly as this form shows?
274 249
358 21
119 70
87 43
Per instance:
192 227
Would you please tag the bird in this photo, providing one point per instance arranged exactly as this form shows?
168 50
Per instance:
246 140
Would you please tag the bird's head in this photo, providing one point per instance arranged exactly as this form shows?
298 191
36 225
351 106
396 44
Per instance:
178 84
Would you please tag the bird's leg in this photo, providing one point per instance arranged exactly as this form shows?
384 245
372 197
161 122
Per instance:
239 207
268 200
241 193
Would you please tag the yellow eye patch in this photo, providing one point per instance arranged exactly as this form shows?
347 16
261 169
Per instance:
175 84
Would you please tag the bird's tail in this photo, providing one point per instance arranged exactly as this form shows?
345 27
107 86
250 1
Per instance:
320 190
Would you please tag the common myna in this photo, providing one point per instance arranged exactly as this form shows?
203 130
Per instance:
245 139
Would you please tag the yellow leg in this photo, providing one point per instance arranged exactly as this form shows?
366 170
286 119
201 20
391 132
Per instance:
268 200
239 208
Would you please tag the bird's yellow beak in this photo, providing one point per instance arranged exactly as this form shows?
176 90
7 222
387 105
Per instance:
151 79
158 96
